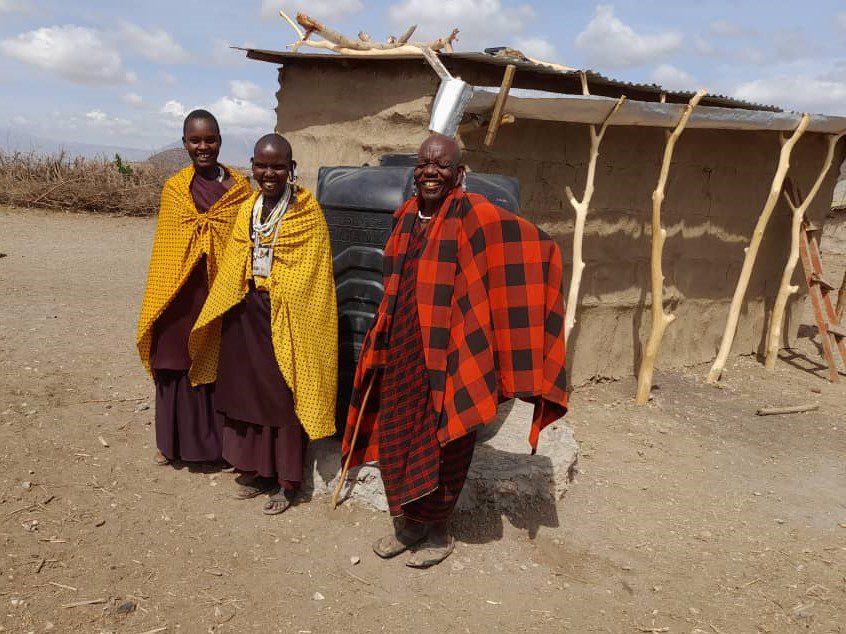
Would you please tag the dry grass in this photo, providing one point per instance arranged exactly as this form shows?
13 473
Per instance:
79 184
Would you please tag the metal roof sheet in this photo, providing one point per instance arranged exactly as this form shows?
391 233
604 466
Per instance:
482 69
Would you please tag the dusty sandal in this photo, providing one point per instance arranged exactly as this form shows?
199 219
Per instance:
400 541
250 487
161 460
430 554
276 504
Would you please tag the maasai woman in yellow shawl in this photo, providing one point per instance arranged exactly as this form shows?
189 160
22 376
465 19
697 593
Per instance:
198 209
276 359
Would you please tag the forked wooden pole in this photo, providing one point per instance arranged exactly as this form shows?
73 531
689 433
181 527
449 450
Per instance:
580 207
499 105
752 250
660 319
786 289
343 477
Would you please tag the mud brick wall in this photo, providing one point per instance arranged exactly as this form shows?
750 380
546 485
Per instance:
719 180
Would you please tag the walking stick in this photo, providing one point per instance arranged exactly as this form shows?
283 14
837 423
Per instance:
346 468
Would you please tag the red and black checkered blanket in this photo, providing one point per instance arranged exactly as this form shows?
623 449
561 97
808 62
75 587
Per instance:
491 312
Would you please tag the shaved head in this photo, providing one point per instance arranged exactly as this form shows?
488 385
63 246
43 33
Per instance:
446 147
275 143
438 170
199 115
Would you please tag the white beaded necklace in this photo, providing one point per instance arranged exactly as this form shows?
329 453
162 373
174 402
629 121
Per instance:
270 225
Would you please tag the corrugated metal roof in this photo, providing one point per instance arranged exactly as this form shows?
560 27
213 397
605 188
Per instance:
482 69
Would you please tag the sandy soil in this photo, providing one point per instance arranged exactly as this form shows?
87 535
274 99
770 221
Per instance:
689 515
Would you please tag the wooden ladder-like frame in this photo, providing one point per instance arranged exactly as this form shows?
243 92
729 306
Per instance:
832 333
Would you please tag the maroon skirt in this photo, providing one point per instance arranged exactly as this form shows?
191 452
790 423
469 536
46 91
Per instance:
261 431
187 425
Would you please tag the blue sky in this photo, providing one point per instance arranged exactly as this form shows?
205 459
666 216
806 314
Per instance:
124 74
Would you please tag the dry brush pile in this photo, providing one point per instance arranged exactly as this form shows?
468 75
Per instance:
80 184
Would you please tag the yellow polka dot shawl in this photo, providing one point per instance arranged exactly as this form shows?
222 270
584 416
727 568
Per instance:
303 314
183 236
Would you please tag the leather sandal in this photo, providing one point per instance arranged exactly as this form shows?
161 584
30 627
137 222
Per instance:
430 554
278 503
250 487
400 540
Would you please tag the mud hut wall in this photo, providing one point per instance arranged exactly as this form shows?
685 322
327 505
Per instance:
717 186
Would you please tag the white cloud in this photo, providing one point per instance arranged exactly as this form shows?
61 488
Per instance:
20 120
247 90
243 116
537 47
607 42
840 21
672 78
132 99
174 108
98 119
157 45
75 53
320 9
803 94
725 28
484 23
239 116
168 79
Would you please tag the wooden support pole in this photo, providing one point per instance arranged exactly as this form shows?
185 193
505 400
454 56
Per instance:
752 250
580 207
660 319
786 289
499 104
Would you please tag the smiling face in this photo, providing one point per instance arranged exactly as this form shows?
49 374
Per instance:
438 170
202 142
272 165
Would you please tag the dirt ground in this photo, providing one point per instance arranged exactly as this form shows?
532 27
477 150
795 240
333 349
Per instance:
689 515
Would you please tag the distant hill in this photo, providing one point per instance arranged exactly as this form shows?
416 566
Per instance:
170 160
13 141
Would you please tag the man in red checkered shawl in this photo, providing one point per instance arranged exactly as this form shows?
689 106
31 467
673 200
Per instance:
473 315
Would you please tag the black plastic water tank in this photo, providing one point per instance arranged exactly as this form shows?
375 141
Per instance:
359 203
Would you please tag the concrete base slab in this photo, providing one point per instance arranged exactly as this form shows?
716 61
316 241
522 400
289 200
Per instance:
504 477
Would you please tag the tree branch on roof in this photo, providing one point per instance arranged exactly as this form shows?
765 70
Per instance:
364 45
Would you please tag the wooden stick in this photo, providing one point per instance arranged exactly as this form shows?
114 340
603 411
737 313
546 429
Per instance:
342 478
771 411
752 250
786 289
580 207
293 24
78 604
660 319
499 104
335 41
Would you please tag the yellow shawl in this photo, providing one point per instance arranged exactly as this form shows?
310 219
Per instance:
183 236
303 314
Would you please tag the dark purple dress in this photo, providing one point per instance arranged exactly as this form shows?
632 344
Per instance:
187 425
261 431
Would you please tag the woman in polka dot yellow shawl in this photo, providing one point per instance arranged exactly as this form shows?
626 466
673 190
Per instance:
303 329
198 208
